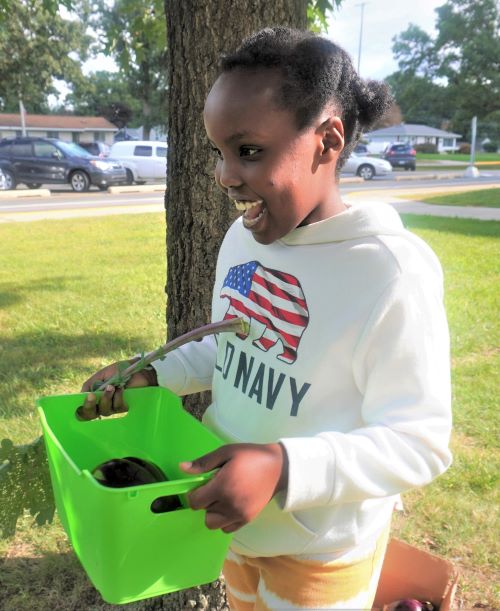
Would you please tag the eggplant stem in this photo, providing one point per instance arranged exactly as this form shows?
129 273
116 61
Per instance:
236 325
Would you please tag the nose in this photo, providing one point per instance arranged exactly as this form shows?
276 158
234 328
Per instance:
227 175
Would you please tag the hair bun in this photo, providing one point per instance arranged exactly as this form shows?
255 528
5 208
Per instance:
374 99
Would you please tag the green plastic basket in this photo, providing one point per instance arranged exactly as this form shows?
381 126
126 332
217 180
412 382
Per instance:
129 552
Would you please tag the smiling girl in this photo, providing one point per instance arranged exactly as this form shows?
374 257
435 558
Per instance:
338 399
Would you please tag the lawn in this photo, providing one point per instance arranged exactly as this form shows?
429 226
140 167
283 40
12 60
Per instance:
76 294
482 198
492 157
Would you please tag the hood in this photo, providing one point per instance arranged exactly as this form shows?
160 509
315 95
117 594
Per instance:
358 221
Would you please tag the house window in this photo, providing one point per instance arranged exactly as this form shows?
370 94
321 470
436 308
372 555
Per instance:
75 136
448 142
53 135
99 136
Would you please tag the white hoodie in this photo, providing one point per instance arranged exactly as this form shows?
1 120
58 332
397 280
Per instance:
347 364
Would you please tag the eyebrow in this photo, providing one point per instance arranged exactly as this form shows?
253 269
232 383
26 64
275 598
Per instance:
235 137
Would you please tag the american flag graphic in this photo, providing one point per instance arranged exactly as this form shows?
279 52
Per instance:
271 297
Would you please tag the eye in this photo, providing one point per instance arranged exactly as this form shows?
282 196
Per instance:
216 151
249 151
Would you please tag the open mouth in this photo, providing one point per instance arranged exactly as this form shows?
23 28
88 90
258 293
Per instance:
253 211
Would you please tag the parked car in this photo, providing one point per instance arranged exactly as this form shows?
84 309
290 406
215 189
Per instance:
99 149
37 161
366 167
3 181
143 159
401 155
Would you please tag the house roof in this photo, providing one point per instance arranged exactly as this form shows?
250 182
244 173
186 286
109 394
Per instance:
412 129
57 122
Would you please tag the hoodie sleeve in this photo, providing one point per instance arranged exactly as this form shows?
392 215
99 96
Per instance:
401 365
190 368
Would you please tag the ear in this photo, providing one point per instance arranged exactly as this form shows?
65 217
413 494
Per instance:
331 131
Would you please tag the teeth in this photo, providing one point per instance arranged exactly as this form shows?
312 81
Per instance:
246 205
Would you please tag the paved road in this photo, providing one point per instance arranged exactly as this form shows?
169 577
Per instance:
66 204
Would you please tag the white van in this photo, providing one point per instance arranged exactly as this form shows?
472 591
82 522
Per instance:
143 159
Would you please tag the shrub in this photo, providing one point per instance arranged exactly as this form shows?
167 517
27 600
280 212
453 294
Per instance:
490 147
464 148
426 147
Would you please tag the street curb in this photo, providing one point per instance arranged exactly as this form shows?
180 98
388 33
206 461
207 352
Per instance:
15 194
420 176
138 189
349 180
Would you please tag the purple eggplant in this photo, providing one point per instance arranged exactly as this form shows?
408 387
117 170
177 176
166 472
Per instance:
410 604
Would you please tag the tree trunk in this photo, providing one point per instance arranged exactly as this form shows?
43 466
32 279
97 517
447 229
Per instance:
197 214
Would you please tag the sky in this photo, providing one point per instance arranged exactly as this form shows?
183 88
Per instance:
382 20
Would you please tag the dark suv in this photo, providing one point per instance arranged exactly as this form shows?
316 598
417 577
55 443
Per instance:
401 156
37 161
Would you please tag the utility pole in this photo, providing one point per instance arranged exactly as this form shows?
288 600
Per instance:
22 112
472 171
362 5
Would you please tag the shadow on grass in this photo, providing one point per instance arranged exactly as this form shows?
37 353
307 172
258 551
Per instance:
32 363
13 292
58 582
446 224
52 581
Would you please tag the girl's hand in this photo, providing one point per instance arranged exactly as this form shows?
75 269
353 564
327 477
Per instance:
112 398
248 476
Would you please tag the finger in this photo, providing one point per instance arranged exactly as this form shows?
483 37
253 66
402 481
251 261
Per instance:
233 527
87 386
119 405
214 520
202 497
106 402
88 411
207 462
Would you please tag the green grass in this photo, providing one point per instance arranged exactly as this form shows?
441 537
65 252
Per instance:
66 310
76 294
459 156
484 198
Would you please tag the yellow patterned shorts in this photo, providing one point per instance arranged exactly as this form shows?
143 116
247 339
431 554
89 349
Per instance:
321 581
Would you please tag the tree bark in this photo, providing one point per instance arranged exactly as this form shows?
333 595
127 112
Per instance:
197 214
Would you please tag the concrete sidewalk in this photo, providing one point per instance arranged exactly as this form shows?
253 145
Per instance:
415 206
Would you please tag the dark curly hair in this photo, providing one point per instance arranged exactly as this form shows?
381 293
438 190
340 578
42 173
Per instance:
315 72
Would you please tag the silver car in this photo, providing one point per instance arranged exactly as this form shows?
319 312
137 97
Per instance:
366 167
3 181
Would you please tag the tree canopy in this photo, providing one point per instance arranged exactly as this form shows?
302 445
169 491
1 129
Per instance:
40 47
101 93
134 33
36 48
455 75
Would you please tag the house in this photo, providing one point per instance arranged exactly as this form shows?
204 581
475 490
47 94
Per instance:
412 134
64 127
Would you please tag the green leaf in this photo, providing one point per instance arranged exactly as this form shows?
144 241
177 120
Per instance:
25 485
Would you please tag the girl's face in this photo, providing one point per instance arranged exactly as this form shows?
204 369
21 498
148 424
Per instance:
278 177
